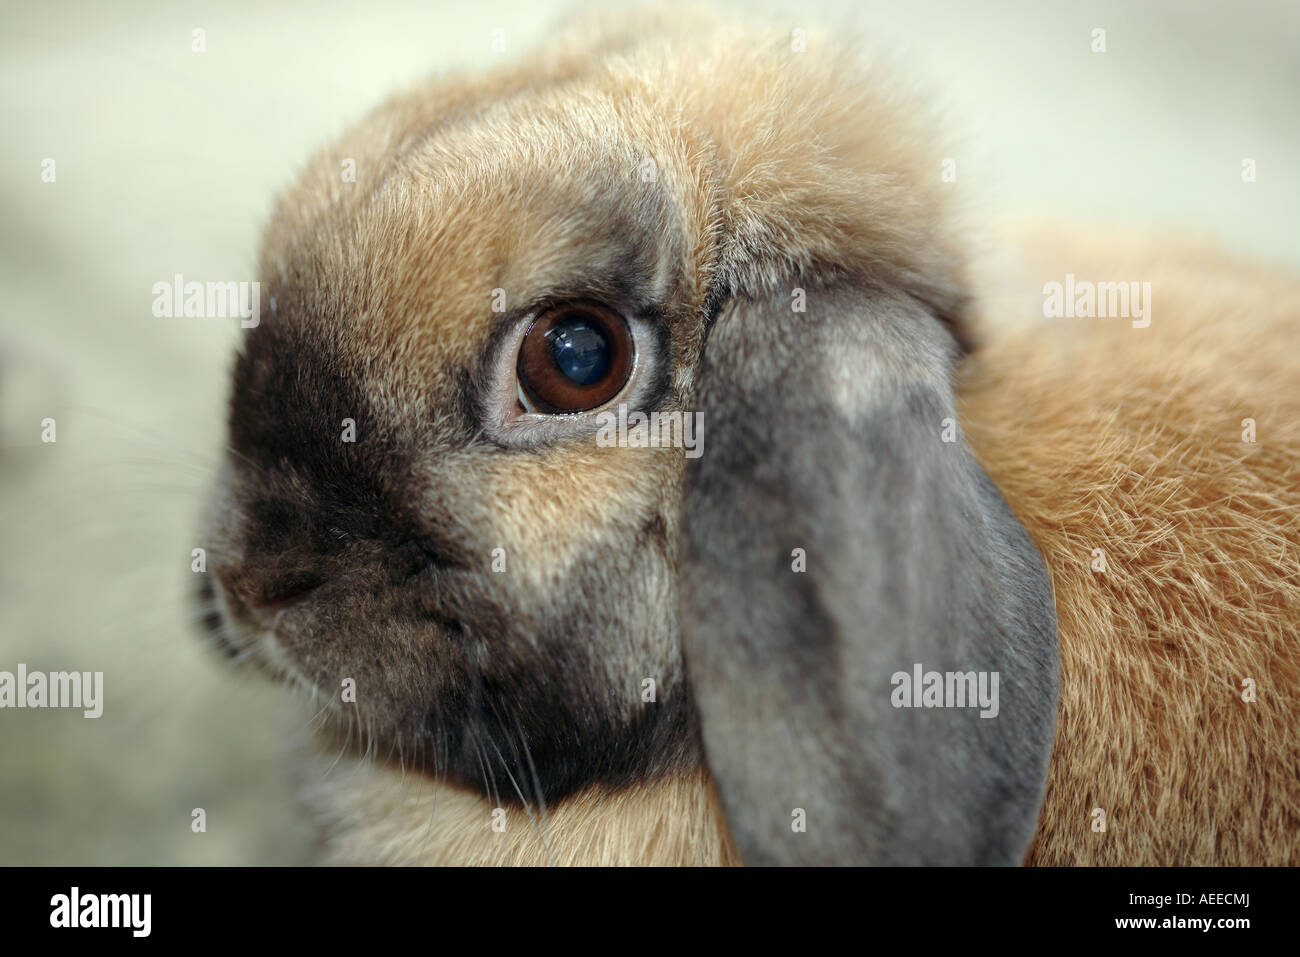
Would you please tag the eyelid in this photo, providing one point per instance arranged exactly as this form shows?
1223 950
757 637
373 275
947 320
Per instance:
506 424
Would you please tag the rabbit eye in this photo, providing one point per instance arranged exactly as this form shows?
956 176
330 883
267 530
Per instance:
574 358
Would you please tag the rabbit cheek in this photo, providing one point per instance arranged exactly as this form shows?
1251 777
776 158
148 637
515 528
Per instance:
539 649
573 671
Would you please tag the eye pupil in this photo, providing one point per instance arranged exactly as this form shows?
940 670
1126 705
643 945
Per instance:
581 351
575 357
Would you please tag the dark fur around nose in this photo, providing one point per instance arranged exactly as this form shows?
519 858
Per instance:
288 553
313 503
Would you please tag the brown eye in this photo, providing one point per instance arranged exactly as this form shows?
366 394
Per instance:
574 358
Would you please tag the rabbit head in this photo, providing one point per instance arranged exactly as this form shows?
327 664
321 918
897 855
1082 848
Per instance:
423 516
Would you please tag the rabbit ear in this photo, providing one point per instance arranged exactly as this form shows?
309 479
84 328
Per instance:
842 555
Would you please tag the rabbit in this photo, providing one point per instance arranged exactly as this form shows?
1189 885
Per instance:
531 646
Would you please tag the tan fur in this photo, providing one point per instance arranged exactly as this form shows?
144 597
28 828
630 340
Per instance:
375 815
1100 435
502 180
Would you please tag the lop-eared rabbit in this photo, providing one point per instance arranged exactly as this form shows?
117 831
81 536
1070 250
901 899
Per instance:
823 630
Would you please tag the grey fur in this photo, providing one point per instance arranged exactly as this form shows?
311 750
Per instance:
825 434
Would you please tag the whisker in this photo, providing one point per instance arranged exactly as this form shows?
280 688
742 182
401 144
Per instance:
533 820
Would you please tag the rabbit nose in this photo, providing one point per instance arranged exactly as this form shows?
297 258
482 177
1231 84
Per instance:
290 590
258 599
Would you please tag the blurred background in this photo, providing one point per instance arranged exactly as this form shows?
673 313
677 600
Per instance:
167 161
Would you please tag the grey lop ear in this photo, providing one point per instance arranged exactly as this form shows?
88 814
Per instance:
868 631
